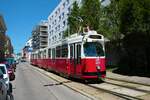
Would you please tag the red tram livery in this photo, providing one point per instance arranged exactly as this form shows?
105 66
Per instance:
79 56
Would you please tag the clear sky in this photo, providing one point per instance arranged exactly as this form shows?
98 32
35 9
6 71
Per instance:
22 15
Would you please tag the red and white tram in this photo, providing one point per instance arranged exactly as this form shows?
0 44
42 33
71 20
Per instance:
78 56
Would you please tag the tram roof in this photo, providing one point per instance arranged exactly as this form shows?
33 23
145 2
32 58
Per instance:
79 37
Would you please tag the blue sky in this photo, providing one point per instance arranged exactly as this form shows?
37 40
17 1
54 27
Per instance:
22 15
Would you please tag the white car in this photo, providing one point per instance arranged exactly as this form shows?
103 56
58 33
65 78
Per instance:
6 77
3 88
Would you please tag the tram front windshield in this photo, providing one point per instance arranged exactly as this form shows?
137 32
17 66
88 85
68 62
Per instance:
92 49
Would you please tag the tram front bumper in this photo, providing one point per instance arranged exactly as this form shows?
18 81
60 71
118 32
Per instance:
95 75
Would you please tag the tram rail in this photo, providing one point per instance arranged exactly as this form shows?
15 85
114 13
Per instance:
115 79
123 84
121 95
97 88
129 85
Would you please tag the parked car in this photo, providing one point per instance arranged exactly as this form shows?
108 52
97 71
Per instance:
3 87
6 78
11 62
16 62
10 71
23 60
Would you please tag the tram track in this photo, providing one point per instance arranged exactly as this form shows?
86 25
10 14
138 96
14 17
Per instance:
115 79
131 85
121 95
123 84
96 88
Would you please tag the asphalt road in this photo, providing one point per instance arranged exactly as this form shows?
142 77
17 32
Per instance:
32 85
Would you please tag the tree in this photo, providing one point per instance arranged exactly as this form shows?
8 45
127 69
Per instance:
66 33
90 13
2 43
109 27
73 20
135 16
109 21
135 25
8 47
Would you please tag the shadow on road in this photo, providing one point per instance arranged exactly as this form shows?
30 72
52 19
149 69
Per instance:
59 83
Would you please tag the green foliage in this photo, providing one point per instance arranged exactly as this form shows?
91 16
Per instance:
66 33
109 21
135 25
135 16
90 13
73 20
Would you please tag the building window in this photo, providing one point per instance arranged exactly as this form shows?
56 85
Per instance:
63 15
55 21
58 27
58 10
55 13
49 26
69 10
55 29
67 2
59 35
64 23
63 5
55 37
52 18
59 18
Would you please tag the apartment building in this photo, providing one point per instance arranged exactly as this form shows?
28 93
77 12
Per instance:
2 36
40 35
28 50
57 21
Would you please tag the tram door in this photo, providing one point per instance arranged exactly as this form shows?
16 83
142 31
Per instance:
75 58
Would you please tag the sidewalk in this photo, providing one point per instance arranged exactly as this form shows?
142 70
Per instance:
137 79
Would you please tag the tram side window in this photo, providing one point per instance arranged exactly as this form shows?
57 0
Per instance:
78 54
53 53
71 51
44 53
49 53
39 55
64 50
58 51
33 56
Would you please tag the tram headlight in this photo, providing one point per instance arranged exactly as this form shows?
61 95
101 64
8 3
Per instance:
98 67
